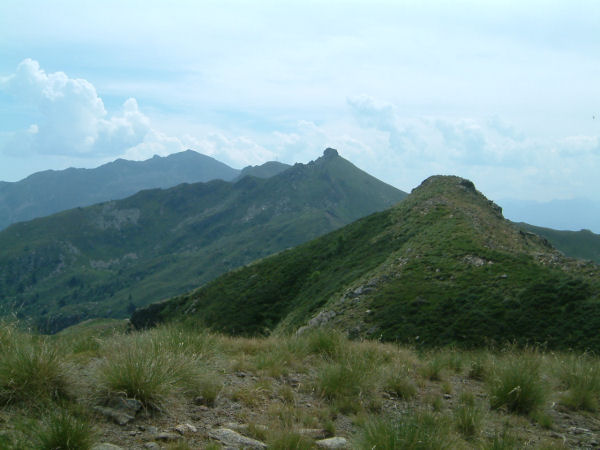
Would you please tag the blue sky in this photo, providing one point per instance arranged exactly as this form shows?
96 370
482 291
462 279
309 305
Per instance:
503 93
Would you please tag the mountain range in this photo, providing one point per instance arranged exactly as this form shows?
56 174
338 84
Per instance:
441 267
107 259
50 191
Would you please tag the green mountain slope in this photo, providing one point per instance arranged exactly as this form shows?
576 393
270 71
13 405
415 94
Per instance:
109 258
578 244
441 267
47 192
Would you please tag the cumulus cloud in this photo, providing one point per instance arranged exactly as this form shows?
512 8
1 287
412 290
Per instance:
240 150
453 140
498 156
70 117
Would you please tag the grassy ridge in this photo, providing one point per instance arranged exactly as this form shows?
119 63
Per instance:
441 267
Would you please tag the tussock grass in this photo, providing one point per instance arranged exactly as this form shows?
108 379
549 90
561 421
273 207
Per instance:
328 344
468 416
319 381
434 367
478 367
350 383
503 441
517 384
183 339
580 376
63 431
281 355
252 395
416 431
31 370
144 367
285 439
400 385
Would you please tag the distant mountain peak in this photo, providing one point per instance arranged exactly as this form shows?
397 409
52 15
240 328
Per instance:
50 191
330 152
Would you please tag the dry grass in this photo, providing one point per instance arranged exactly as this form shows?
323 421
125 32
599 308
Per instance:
371 393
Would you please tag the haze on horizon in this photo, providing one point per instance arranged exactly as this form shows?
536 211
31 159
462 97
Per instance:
504 93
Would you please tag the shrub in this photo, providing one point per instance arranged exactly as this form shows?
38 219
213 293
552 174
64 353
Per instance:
65 432
517 384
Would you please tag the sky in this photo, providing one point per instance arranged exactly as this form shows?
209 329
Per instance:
504 93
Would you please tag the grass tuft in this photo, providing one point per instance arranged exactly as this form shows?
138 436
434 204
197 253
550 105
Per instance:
329 344
420 430
580 375
65 432
468 416
284 439
349 383
31 371
144 368
517 384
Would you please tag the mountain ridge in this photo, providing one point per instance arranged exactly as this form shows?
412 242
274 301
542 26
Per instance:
441 267
105 259
50 191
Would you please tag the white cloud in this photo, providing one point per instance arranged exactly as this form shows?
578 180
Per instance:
70 117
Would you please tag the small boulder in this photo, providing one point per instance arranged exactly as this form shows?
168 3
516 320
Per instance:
233 439
106 446
184 428
166 436
333 442
117 416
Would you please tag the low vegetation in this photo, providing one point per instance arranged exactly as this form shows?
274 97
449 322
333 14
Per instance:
289 391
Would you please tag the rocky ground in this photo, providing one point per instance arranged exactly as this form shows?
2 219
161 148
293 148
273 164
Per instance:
319 390
238 423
